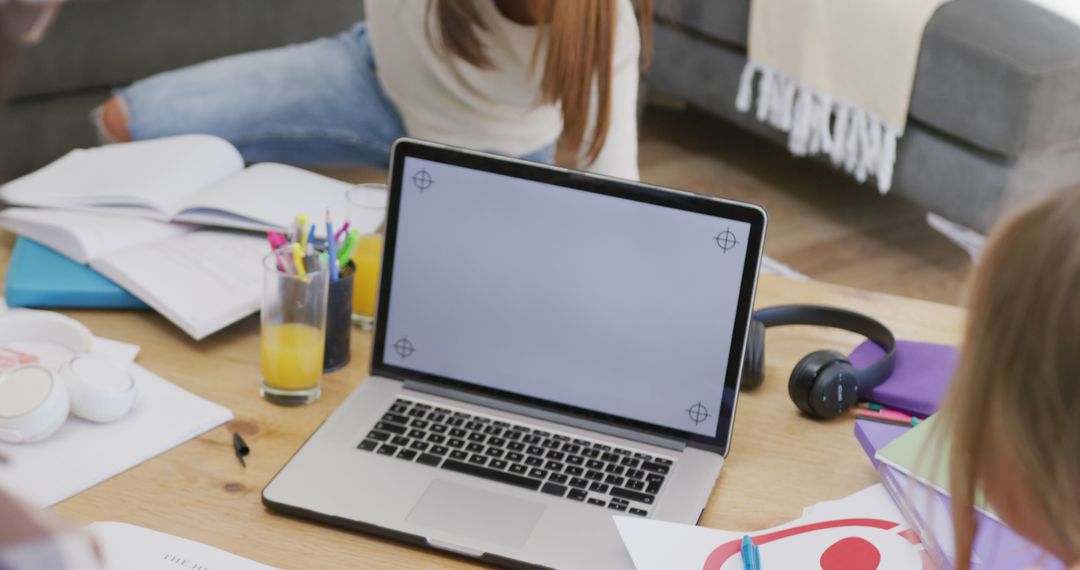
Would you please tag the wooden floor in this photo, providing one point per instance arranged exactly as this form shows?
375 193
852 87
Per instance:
820 223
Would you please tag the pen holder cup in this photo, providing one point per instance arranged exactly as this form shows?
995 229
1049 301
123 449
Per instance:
339 320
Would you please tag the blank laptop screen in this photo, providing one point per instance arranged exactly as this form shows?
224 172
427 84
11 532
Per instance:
584 299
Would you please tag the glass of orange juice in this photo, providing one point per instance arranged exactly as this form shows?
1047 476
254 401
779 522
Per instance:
367 202
293 334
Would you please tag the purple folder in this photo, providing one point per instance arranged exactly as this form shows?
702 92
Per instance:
919 380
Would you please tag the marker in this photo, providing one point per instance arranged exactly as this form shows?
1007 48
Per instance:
298 258
347 248
751 557
311 263
888 416
334 274
301 223
273 249
342 231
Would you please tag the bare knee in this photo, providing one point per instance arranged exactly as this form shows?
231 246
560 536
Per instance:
113 121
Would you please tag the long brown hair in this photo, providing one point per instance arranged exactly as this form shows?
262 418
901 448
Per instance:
1018 377
581 43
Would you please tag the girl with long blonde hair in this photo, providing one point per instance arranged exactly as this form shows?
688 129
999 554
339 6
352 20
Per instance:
509 76
1014 408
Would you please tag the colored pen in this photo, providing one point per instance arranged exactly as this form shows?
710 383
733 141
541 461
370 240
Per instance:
312 262
879 408
888 417
272 238
298 258
301 225
342 231
240 447
351 239
311 235
750 555
334 274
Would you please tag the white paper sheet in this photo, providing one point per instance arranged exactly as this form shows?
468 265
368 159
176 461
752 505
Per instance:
865 530
82 454
129 547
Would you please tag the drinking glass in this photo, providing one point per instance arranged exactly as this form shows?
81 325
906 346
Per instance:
367 206
293 335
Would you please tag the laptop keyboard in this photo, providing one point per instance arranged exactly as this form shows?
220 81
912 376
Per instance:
557 464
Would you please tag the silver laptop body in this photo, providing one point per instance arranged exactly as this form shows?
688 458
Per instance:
552 349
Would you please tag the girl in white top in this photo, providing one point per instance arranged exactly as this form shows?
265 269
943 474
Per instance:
508 76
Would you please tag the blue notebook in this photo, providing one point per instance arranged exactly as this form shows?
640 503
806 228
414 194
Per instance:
40 277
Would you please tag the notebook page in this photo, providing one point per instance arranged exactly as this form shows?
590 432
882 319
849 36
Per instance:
268 196
129 547
155 175
201 281
82 235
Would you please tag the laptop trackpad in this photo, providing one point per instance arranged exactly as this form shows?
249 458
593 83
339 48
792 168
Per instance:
470 512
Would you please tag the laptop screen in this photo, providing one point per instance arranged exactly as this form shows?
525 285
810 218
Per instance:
602 303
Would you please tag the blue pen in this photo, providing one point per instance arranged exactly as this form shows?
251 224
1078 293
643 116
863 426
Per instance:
330 247
750 555
311 235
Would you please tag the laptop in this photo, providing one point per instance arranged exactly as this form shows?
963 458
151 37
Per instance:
553 348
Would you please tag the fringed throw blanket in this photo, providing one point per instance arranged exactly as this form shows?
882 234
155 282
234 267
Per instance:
836 75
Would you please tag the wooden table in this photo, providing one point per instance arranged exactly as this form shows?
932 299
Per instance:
780 461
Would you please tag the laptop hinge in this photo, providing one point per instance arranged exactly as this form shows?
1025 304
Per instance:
548 415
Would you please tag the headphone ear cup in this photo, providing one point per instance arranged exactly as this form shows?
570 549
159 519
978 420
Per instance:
835 390
100 390
805 375
753 371
33 406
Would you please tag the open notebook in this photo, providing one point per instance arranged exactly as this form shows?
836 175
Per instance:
197 179
200 279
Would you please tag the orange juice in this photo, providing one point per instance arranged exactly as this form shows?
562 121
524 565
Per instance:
368 259
292 356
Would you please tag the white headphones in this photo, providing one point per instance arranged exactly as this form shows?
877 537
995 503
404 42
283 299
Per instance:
35 399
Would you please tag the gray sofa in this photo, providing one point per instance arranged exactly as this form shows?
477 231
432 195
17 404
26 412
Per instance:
995 114
96 45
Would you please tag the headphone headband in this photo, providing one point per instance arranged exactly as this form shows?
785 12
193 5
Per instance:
867 378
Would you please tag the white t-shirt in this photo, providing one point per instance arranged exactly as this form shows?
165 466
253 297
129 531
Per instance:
448 100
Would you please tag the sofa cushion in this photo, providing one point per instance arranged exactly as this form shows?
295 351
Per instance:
104 43
1002 75
725 21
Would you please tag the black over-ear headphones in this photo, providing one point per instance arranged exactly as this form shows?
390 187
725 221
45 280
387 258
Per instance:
823 384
